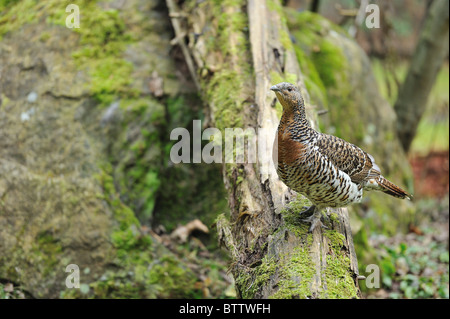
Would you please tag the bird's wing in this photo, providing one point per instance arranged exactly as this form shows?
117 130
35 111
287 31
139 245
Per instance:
349 158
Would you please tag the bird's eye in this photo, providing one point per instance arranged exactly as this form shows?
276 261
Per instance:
290 89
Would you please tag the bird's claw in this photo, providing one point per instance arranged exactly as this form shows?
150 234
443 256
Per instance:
314 219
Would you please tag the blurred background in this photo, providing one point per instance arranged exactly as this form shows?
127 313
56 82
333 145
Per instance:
85 171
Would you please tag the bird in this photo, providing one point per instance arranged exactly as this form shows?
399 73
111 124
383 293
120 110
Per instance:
326 169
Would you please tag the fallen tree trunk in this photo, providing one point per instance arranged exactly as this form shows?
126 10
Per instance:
236 50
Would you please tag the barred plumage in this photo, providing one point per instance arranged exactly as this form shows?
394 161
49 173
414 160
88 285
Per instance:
329 171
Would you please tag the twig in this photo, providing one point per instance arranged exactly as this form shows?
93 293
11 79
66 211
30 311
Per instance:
179 36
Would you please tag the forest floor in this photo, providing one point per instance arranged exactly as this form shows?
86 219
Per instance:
416 264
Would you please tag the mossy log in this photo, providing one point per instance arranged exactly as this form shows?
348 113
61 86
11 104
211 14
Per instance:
236 50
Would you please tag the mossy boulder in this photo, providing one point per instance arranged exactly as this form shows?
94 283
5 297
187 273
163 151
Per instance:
83 148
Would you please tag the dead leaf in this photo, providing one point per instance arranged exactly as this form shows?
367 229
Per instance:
183 232
415 229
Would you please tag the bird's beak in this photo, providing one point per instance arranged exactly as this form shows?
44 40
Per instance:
275 88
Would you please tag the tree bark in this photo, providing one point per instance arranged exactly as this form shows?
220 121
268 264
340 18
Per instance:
239 49
430 53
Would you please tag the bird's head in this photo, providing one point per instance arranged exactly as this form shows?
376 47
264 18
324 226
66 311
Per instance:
288 95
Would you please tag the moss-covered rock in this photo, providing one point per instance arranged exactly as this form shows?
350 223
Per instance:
84 150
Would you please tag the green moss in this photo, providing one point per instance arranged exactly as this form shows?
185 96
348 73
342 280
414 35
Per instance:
307 66
336 240
296 277
125 237
334 217
225 89
5 100
338 280
48 251
122 213
142 277
224 94
293 272
330 63
146 270
311 21
44 36
250 282
103 40
340 284
296 268
111 77
174 280
5 3
14 14
233 22
138 152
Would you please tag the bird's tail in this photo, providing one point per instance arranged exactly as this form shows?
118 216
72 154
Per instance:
392 189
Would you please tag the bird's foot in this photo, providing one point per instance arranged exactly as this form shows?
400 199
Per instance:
314 219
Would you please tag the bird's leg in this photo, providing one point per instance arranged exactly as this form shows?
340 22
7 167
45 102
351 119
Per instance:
314 219
308 210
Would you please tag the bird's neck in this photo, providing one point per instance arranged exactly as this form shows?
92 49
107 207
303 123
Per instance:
295 113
